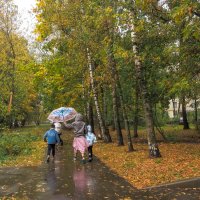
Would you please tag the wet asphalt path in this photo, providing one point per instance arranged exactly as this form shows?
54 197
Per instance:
65 179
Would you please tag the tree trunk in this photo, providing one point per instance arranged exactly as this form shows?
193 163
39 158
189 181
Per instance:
112 123
135 125
104 129
124 111
89 109
85 98
112 66
184 114
179 107
11 63
116 117
104 105
115 83
90 114
196 114
153 146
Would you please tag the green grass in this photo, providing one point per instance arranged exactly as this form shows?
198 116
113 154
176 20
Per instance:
17 142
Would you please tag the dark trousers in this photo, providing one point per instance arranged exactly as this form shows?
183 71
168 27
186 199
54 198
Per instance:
51 148
61 141
90 152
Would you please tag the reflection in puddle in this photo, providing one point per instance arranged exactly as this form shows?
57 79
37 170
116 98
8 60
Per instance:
84 182
80 178
51 177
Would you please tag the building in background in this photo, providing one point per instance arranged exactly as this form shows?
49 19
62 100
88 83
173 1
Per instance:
175 108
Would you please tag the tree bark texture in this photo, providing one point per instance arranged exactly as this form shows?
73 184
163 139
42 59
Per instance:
116 84
196 113
112 66
152 143
125 117
90 114
104 129
135 125
184 114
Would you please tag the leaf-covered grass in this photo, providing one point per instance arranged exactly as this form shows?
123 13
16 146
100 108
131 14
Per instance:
180 158
22 147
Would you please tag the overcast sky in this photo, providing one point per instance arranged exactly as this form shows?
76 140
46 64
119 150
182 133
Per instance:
27 17
26 4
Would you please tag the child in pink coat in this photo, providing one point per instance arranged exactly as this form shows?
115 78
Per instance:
79 143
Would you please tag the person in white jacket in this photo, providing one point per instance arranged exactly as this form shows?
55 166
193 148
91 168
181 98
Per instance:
91 139
58 128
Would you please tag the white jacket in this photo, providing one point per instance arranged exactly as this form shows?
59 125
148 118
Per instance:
90 137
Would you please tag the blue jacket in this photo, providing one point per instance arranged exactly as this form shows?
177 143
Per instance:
52 136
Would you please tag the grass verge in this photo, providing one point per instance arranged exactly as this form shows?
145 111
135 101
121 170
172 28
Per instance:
22 147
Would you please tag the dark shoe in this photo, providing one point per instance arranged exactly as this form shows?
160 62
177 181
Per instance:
48 158
90 160
83 161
